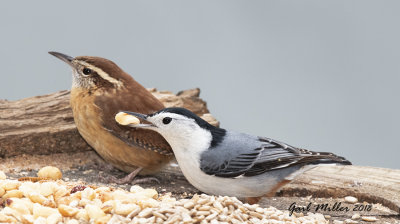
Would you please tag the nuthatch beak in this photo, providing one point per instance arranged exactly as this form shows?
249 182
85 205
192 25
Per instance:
224 162
142 117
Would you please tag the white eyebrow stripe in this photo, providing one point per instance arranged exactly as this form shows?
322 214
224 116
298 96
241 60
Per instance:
102 74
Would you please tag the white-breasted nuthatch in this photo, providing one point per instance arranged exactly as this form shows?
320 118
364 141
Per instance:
221 162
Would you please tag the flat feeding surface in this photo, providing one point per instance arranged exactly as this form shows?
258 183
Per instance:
87 167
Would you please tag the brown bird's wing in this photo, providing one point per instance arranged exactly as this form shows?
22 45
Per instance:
132 98
140 139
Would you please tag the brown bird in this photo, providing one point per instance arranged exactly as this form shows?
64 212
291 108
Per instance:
100 89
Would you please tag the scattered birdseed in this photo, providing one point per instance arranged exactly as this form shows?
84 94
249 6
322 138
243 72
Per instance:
350 221
356 216
49 201
351 199
50 172
369 218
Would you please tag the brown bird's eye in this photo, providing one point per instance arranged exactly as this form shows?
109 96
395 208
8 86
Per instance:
86 71
166 120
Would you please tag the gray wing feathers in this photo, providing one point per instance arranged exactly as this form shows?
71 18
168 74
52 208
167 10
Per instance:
247 155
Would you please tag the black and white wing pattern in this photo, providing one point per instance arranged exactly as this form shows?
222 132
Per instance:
249 156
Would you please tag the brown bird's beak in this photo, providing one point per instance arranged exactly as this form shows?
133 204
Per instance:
63 57
142 117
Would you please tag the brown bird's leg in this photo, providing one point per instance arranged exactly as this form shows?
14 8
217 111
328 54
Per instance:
125 180
132 178
271 193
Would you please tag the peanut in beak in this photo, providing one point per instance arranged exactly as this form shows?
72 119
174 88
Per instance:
126 119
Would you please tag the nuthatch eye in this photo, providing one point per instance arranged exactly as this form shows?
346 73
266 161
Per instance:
223 162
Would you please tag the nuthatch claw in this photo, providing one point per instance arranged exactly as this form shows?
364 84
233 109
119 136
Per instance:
222 162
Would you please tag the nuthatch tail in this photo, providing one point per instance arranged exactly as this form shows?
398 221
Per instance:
222 162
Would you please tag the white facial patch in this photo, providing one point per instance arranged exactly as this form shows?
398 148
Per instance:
182 133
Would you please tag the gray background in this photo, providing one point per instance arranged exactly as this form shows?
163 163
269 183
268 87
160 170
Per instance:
322 75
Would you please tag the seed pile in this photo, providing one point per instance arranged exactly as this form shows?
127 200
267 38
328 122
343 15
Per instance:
58 201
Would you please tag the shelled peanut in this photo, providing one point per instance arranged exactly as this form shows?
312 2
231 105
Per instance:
58 201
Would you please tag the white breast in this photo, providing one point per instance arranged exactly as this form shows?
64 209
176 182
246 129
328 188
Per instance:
188 147
239 187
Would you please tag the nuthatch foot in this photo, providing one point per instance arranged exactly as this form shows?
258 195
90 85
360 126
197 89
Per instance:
223 162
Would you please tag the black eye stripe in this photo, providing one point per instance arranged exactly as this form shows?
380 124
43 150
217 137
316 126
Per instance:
167 120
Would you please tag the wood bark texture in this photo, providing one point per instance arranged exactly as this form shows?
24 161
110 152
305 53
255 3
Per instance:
41 129
45 125
371 184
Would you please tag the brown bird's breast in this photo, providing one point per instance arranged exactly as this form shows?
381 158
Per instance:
94 117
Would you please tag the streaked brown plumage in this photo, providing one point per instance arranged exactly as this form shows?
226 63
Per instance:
96 97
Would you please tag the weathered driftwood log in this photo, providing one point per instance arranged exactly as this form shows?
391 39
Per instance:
41 129
45 125
371 184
